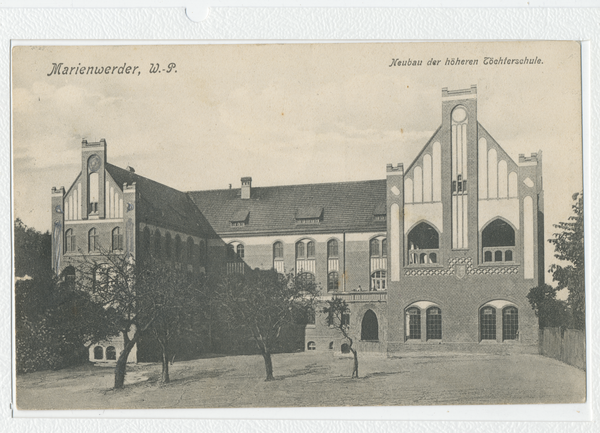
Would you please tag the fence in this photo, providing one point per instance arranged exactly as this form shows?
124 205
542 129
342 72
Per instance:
566 345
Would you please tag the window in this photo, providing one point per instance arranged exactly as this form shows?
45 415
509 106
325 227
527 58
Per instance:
510 323
98 352
332 248
378 279
374 247
117 239
413 316
311 345
230 253
384 248
94 192
345 348
147 241
69 276
333 282
278 251
310 250
306 278
331 345
345 319
157 244
488 323
370 327
240 251
423 242
498 241
70 244
168 245
300 250
434 323
111 353
201 252
93 240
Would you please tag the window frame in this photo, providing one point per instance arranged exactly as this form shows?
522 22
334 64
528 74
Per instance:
70 241
93 235
117 236
278 250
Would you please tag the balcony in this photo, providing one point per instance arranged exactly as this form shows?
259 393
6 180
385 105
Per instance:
350 297
425 257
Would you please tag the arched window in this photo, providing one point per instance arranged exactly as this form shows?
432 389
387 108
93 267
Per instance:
168 245
333 282
93 240
423 237
94 192
498 241
111 353
240 251
434 323
311 345
370 327
70 243
117 239
306 278
178 249
278 251
345 348
487 323
98 352
374 247
69 276
384 248
157 244
510 323
230 253
300 251
310 250
332 248
413 323
190 250
378 279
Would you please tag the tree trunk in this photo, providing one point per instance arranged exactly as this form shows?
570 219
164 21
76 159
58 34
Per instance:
165 368
268 364
355 369
122 361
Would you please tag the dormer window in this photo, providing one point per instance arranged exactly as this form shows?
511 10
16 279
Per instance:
240 218
379 213
309 215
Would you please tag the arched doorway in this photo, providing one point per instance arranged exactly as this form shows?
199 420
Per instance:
370 327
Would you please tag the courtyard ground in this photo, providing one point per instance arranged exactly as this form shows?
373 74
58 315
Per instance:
311 379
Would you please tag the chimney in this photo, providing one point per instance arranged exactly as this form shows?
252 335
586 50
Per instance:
246 185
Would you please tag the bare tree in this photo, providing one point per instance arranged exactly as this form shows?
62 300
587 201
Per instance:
337 314
153 296
263 302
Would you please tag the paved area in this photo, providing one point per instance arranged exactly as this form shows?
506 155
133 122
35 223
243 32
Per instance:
309 379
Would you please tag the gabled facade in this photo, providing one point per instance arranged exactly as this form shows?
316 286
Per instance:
439 256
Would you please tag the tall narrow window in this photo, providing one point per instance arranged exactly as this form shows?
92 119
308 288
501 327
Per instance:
147 241
333 282
98 352
201 252
278 251
300 250
69 276
117 239
384 248
510 323
434 323
94 192
111 353
310 249
168 245
332 248
70 243
488 323
413 316
93 240
374 247
240 251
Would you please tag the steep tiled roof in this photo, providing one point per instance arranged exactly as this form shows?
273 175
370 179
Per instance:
161 205
345 206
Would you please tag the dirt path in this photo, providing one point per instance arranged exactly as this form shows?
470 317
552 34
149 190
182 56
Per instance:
308 379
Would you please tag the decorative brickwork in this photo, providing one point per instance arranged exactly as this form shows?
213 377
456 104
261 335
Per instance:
470 269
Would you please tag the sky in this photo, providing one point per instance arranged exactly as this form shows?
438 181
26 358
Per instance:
284 113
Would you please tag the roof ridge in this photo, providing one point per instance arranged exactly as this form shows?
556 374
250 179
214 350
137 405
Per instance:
292 185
